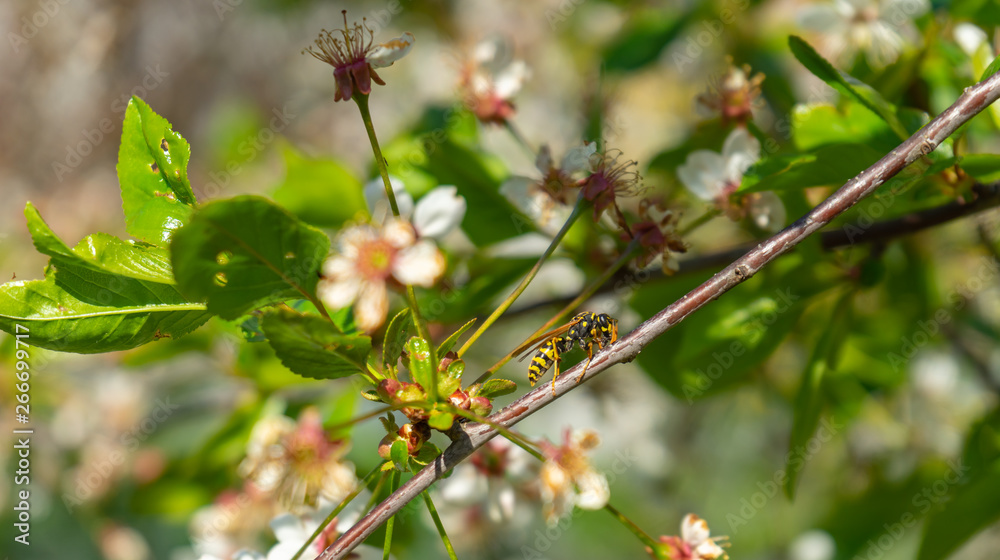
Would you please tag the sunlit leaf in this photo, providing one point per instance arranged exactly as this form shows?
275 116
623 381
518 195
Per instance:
320 191
245 252
152 172
311 346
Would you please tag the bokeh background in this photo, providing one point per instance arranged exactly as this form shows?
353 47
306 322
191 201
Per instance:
127 453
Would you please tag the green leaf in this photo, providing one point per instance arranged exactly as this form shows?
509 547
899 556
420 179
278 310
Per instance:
78 309
245 252
828 165
102 252
721 344
427 453
320 191
809 402
641 42
993 68
820 124
973 507
399 454
449 342
422 371
152 172
451 379
395 338
984 167
490 217
440 420
846 84
496 388
311 346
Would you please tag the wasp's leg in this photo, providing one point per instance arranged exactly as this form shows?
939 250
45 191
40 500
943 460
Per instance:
590 356
555 373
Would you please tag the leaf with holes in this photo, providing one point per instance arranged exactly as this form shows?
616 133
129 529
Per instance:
79 309
311 346
245 252
152 172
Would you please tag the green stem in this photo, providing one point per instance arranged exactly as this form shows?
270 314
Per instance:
630 250
393 485
383 169
639 533
577 211
516 133
439 525
329 518
699 221
375 492
362 101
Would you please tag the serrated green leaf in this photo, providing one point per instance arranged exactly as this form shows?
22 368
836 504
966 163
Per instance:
320 191
399 454
440 420
422 371
846 84
245 252
102 252
972 508
496 388
311 346
449 342
77 309
152 172
642 41
809 402
395 337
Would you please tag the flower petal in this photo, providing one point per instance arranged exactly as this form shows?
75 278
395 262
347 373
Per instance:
288 529
592 489
419 265
386 53
439 212
378 202
578 159
372 305
464 487
767 211
694 530
703 174
740 151
969 37
509 81
339 293
399 233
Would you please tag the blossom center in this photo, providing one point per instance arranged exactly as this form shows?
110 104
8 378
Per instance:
375 259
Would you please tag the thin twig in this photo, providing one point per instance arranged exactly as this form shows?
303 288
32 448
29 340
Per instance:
971 102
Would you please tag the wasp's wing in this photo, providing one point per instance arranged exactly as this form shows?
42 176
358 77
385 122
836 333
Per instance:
540 340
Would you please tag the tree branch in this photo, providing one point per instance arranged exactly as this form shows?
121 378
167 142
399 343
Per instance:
985 197
467 439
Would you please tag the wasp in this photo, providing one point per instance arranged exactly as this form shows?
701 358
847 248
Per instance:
584 329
